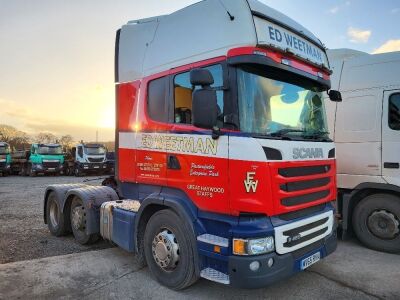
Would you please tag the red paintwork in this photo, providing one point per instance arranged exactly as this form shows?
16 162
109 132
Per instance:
277 57
132 116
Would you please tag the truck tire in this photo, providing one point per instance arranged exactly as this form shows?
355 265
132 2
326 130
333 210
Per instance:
78 223
169 250
30 172
77 172
54 216
376 222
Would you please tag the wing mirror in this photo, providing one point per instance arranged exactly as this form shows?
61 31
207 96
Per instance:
335 96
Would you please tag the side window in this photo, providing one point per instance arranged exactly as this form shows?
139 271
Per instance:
394 112
80 151
183 94
156 100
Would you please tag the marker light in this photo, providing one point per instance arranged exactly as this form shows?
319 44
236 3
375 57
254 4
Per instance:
253 246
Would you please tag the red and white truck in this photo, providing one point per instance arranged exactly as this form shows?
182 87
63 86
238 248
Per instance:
224 167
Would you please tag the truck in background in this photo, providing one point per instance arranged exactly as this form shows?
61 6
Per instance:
5 159
110 162
41 159
85 159
224 169
366 130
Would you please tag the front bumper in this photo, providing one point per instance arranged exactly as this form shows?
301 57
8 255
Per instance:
44 169
284 265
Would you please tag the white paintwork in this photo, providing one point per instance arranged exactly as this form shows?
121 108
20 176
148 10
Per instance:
240 148
198 32
280 238
85 158
359 124
270 34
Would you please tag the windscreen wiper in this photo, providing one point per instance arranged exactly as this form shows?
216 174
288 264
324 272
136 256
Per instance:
316 135
283 132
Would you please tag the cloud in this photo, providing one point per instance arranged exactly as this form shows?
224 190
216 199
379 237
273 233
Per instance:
334 10
358 35
389 46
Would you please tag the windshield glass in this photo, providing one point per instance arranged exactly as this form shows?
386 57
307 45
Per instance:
49 150
272 107
4 150
95 150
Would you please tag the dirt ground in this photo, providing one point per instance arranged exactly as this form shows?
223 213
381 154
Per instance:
23 235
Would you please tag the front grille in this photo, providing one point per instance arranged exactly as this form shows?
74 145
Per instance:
95 160
306 198
302 212
296 235
51 164
301 184
304 171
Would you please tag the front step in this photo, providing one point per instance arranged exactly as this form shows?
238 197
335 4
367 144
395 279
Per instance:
214 275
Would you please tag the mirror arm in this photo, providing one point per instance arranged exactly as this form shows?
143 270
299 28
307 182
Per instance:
216 133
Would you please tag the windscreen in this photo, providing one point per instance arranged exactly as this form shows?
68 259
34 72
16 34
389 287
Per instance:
95 150
44 149
4 149
272 107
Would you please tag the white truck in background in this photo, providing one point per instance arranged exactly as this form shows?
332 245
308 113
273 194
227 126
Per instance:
366 129
86 158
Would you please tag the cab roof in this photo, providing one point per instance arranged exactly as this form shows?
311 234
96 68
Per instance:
201 31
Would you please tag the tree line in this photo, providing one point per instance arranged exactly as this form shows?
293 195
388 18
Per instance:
20 140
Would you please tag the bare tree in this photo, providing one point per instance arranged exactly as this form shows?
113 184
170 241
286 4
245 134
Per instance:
66 142
16 138
46 137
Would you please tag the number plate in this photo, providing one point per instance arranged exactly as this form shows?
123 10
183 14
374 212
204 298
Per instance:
51 169
96 167
308 261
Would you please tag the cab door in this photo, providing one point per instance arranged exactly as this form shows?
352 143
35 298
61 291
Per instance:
391 136
197 163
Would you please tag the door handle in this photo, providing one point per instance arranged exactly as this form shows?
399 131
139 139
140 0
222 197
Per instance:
391 165
173 162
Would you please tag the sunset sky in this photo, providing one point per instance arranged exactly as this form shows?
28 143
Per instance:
56 56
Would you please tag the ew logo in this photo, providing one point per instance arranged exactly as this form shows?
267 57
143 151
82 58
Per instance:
249 183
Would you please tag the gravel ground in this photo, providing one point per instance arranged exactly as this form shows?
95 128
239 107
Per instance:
23 235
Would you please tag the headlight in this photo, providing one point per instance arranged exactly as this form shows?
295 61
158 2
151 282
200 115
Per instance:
253 246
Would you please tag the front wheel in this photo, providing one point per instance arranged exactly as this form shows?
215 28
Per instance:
77 172
169 250
376 222
78 223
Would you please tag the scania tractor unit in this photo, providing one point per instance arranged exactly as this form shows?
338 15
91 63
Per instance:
43 159
5 159
87 158
224 167
366 129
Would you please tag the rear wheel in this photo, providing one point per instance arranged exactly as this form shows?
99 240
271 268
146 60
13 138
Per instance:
78 223
77 172
54 216
30 171
376 222
169 250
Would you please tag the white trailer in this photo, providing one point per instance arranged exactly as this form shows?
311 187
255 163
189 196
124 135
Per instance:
366 129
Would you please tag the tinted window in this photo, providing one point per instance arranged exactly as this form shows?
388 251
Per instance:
80 151
394 112
183 94
156 100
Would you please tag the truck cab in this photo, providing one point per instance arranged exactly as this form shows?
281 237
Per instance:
366 130
89 158
5 159
45 159
224 167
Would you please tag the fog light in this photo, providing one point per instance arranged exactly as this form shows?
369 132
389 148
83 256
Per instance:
254 266
270 262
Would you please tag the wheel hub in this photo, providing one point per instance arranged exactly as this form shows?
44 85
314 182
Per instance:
53 214
383 224
165 250
78 218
